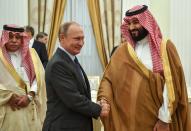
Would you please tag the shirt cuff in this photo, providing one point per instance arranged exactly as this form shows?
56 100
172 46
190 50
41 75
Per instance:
164 113
34 87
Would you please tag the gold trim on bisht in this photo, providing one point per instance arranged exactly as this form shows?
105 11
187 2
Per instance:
168 76
35 60
137 61
13 72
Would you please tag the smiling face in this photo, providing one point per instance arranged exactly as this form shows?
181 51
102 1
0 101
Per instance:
14 43
137 31
73 41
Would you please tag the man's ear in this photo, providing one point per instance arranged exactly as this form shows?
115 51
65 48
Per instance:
61 37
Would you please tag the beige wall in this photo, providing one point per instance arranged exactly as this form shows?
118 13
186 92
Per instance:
190 109
13 12
161 10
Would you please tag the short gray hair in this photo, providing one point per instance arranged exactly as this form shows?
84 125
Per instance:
64 28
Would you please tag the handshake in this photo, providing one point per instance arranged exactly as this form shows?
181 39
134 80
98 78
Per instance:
105 107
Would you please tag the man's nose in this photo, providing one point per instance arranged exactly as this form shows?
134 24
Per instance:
14 39
131 26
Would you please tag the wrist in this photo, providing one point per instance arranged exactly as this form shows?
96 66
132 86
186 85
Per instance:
30 97
163 123
32 93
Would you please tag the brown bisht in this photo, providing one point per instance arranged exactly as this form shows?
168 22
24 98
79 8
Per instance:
135 92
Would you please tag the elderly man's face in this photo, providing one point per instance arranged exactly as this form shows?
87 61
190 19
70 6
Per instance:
137 31
14 42
74 40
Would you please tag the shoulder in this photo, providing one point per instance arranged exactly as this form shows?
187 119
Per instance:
59 60
172 52
58 68
39 43
170 44
170 47
120 50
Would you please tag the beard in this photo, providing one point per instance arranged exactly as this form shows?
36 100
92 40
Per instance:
138 34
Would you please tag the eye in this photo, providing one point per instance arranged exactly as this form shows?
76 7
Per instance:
127 22
135 21
11 35
18 37
77 38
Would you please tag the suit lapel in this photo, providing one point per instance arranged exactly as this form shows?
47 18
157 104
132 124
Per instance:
72 65
35 44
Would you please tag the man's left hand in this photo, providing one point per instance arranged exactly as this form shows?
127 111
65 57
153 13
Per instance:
161 126
105 108
24 101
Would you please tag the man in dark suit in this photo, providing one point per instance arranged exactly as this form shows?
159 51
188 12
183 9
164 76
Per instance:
37 45
69 105
42 37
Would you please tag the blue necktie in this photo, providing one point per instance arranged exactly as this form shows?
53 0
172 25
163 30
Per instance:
79 69
78 65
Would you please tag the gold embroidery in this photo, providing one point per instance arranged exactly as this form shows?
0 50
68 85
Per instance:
168 76
35 60
137 61
13 72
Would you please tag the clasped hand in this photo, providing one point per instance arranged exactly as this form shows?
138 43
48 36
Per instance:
16 102
161 126
105 108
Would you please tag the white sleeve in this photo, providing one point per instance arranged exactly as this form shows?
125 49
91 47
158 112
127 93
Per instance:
164 113
34 86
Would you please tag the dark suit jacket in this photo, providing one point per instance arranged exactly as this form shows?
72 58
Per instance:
69 105
41 51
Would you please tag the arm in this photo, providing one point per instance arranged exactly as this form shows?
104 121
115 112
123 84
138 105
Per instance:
181 105
26 99
105 90
8 97
44 55
67 90
180 113
164 113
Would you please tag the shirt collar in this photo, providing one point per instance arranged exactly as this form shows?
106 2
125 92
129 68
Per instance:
31 42
70 55
16 53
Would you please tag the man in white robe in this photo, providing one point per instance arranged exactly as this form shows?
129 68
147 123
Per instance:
22 85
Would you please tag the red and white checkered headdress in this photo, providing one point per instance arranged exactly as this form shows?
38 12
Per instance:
26 57
149 23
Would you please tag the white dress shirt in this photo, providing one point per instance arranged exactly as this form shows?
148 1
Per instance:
31 42
143 52
70 55
16 61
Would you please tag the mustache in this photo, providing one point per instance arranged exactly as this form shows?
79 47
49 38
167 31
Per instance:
14 43
133 30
